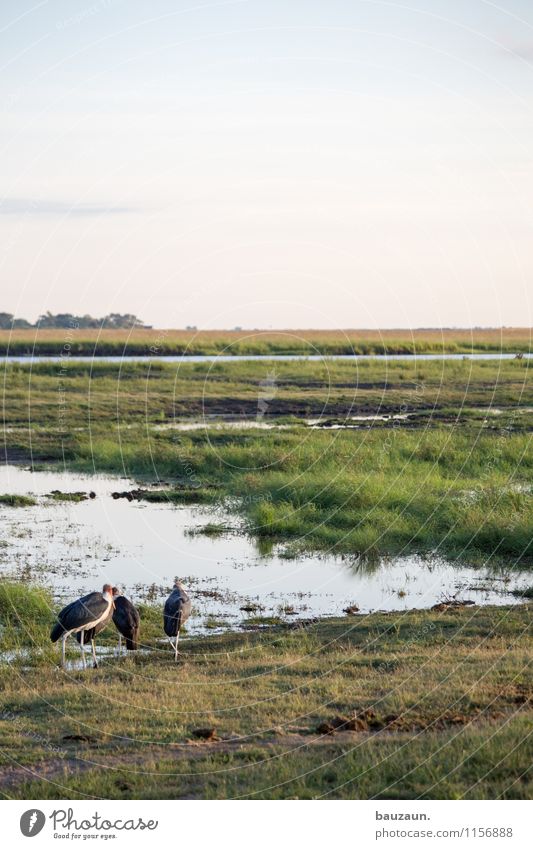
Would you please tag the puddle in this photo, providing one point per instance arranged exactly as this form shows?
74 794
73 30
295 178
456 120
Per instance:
253 424
323 423
244 424
77 547
353 422
103 654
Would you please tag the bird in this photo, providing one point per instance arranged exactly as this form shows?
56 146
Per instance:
88 634
127 621
177 611
84 615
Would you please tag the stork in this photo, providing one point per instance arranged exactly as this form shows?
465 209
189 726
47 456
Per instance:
88 634
127 621
84 615
177 611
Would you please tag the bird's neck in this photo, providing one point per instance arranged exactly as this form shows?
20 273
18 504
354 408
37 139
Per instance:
108 597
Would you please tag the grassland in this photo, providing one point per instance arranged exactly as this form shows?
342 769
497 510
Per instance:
451 476
418 705
424 704
149 342
69 395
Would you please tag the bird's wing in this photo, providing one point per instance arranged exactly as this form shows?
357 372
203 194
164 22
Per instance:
172 603
83 611
129 611
172 616
177 610
91 633
135 615
120 613
125 616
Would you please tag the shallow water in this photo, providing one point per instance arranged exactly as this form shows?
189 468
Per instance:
225 358
253 424
214 423
103 655
77 547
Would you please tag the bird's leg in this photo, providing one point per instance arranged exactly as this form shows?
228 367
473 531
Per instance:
176 647
95 662
119 644
63 641
82 635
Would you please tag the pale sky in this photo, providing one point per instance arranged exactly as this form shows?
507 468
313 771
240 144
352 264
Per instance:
268 163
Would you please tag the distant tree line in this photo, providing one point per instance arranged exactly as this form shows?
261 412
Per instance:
114 321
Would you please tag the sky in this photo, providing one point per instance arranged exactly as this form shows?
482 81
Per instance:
268 163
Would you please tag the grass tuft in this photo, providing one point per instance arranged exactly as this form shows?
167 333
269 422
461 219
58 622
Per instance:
17 501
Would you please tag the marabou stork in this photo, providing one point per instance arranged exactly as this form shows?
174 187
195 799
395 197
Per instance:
177 611
127 621
88 634
85 616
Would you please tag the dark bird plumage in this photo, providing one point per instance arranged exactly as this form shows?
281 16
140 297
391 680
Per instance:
89 635
83 611
84 617
127 620
177 610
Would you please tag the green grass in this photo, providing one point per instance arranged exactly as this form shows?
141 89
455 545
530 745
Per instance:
452 492
444 699
17 501
75 497
443 702
158 393
453 479
211 529
25 615
179 495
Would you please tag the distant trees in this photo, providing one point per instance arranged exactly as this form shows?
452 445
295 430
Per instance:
114 320
63 319
8 321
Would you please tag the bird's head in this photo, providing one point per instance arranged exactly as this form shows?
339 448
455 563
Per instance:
177 584
115 591
108 590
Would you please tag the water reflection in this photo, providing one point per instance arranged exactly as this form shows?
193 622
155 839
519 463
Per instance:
75 547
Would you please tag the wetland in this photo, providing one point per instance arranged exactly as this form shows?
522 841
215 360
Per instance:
355 535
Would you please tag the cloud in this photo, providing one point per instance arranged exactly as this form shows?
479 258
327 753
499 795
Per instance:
33 207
